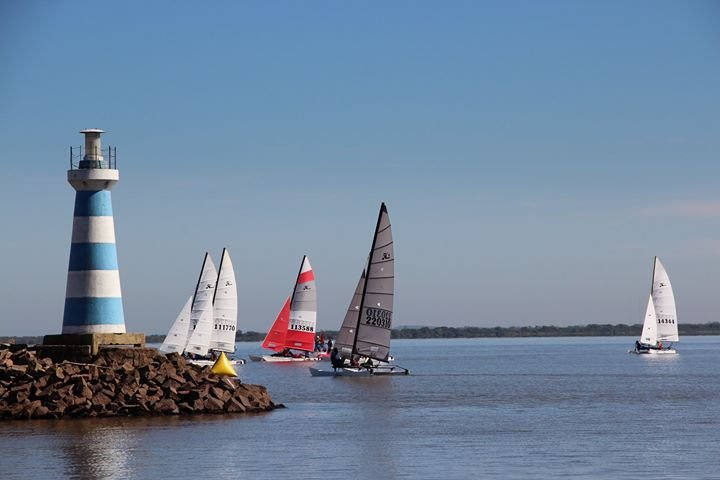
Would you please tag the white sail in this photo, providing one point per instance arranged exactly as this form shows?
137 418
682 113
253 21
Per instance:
303 310
201 316
664 301
222 337
649 331
199 342
177 337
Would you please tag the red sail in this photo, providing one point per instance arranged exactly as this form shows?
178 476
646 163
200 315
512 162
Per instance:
276 337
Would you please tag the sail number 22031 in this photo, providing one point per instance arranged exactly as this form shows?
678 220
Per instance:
378 317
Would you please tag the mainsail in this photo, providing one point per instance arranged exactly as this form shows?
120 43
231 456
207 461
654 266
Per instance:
201 316
294 326
649 331
664 302
375 322
303 310
368 322
177 337
224 305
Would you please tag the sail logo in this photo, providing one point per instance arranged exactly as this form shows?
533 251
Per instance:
385 256
377 317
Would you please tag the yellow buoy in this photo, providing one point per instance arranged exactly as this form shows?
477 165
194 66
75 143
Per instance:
223 368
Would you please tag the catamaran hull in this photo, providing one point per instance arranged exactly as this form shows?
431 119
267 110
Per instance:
670 351
210 363
358 372
271 359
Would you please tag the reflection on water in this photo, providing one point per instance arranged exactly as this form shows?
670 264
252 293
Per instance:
103 450
514 408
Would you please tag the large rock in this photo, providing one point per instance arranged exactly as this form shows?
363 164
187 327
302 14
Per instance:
117 381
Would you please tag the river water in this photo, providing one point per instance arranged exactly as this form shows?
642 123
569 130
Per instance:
471 408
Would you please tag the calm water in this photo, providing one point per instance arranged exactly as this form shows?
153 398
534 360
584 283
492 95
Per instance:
479 408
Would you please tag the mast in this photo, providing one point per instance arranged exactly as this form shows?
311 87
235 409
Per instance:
367 275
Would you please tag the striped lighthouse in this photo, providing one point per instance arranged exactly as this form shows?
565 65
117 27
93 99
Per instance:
93 300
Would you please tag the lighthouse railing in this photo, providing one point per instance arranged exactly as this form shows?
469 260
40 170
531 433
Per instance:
108 155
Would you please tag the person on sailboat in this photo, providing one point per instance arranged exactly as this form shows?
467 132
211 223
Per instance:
285 352
336 360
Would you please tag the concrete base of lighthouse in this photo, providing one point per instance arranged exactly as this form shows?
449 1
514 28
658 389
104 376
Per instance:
95 340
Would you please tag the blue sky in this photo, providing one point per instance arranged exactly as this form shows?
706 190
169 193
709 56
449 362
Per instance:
534 156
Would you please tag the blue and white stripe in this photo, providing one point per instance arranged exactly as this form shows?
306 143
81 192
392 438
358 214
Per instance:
93 299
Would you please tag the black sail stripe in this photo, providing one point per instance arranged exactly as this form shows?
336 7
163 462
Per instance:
382 261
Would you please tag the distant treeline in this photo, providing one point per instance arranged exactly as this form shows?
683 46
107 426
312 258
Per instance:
240 336
592 330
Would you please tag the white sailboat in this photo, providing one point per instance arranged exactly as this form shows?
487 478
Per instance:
208 319
224 313
363 343
660 326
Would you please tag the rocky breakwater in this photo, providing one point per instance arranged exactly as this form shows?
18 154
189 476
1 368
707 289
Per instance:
138 381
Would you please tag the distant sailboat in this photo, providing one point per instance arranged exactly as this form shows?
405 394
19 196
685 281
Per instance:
660 325
208 320
294 327
363 343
